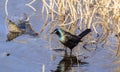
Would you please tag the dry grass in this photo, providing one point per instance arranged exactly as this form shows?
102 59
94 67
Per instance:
75 15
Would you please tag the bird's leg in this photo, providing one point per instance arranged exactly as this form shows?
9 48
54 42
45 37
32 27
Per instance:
70 52
65 50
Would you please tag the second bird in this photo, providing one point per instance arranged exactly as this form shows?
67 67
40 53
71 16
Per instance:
69 40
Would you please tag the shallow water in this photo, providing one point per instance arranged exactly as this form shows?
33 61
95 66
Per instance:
29 54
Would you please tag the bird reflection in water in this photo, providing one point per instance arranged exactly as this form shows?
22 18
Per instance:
66 64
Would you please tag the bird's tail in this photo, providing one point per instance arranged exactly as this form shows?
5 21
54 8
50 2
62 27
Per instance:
84 33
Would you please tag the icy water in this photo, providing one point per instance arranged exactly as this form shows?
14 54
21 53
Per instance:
34 54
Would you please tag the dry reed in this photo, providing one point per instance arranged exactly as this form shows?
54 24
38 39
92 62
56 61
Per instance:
75 15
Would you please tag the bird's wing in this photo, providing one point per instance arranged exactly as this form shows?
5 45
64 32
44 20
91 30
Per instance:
72 38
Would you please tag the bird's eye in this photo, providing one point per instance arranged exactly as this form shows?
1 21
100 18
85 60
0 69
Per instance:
55 30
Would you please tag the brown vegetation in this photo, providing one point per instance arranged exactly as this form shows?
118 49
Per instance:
73 15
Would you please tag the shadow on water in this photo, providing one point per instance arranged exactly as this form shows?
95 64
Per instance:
68 61
58 50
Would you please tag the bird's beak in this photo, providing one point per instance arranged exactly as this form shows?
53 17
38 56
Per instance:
52 32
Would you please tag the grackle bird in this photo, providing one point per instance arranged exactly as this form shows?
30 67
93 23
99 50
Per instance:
69 40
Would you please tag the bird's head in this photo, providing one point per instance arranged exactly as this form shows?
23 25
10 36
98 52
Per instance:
58 31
